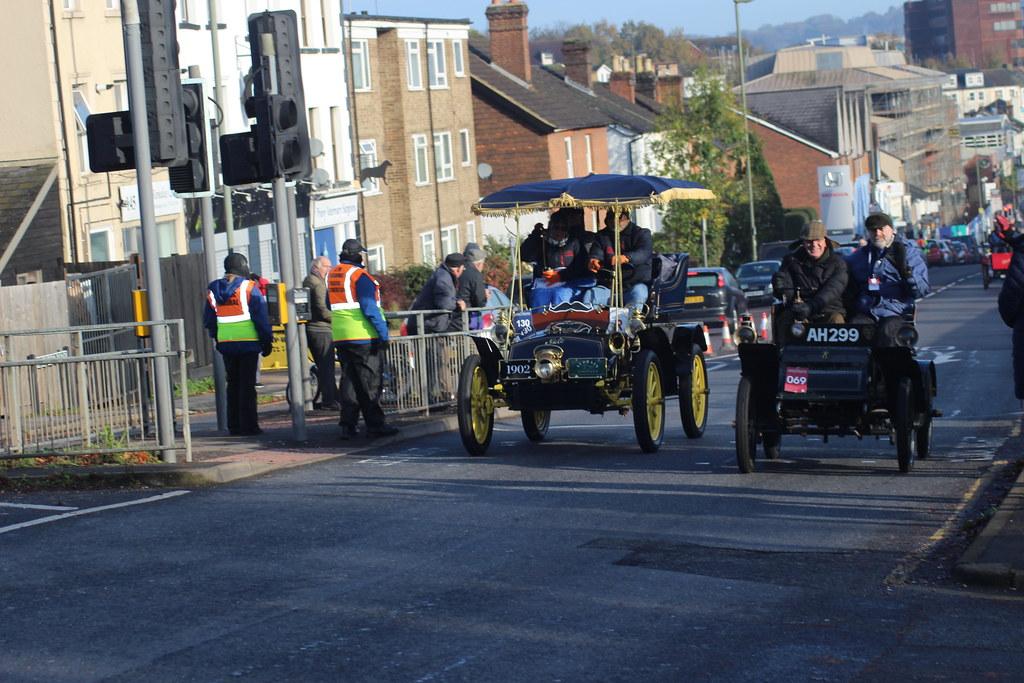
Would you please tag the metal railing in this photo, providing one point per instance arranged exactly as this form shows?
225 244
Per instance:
75 401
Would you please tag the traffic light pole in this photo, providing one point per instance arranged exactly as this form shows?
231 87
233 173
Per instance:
285 236
147 214
293 221
225 190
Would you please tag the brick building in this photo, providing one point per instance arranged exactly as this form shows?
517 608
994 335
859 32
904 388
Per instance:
412 118
983 32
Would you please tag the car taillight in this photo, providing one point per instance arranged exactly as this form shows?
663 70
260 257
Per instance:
721 281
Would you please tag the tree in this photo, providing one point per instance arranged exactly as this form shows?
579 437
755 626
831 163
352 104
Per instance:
704 142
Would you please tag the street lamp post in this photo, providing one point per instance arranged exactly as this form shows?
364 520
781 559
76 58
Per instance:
746 128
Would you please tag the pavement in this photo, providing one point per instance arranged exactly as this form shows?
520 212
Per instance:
995 558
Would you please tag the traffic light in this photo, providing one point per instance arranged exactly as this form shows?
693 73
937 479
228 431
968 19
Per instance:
278 101
167 142
194 178
240 160
111 146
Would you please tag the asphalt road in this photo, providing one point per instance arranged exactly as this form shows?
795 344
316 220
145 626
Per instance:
576 559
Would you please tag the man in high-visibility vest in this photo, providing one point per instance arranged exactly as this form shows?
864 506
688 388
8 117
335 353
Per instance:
360 336
236 316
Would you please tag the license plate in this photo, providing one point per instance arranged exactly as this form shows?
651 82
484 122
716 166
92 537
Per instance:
796 381
514 369
832 335
582 368
694 300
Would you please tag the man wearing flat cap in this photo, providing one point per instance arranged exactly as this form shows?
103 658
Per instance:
440 294
472 288
360 336
812 278
236 316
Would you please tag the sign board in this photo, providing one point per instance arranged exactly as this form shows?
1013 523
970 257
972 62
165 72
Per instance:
164 201
335 211
835 195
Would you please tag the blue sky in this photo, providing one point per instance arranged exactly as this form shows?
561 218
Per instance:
696 17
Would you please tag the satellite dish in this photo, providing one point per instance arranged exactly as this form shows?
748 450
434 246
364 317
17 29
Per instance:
316 147
321 178
484 171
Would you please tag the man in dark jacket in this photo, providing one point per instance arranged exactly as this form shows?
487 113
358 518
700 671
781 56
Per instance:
886 277
440 293
812 279
318 333
559 262
472 288
634 255
236 316
1011 304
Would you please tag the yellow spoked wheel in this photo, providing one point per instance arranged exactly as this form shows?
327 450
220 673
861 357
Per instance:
648 401
475 407
535 423
693 397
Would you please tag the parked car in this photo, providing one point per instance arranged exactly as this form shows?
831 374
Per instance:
755 280
948 255
959 250
937 253
973 254
713 295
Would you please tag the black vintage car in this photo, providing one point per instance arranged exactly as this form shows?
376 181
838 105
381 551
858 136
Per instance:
578 356
833 380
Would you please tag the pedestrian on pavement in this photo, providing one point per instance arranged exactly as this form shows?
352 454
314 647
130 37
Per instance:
811 280
1011 302
886 277
318 333
360 336
440 293
472 288
236 316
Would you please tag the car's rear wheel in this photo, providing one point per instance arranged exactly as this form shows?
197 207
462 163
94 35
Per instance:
648 402
746 426
693 396
535 423
903 425
475 407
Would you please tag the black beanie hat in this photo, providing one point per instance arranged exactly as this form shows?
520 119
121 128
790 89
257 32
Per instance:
236 264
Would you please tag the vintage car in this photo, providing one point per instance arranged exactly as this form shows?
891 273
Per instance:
833 380
580 356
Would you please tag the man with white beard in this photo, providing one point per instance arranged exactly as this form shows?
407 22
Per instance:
886 276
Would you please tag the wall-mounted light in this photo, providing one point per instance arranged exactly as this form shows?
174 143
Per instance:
101 87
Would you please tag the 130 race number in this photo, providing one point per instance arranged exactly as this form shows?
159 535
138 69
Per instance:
833 335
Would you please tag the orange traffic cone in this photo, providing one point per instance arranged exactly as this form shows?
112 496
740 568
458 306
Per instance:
764 326
726 335
707 342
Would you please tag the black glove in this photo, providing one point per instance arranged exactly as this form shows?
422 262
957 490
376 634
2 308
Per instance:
379 345
801 310
266 348
898 256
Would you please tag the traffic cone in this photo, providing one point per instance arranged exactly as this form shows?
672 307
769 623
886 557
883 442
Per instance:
726 335
707 342
763 334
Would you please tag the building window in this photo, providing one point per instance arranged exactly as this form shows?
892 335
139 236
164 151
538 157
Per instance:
313 126
82 112
189 13
412 65
419 145
121 96
113 5
458 65
99 244
450 240
443 167
1004 25
167 238
69 5
570 172
360 64
428 252
590 154
464 147
999 94
375 258
336 133
328 26
368 159
1002 7
437 73
470 231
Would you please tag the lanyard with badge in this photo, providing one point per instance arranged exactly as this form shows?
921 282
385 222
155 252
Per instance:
874 282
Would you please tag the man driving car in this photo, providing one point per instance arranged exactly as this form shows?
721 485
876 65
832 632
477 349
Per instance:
812 278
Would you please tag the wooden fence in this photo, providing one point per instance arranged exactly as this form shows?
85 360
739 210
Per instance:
33 307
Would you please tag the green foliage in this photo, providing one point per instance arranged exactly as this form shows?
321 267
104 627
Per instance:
705 142
202 385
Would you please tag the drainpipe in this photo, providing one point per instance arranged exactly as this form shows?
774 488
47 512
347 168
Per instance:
72 229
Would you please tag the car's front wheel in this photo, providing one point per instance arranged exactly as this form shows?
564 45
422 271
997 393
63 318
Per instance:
648 401
475 407
746 426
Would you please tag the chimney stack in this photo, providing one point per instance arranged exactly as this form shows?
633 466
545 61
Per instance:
647 84
668 90
576 55
510 45
623 84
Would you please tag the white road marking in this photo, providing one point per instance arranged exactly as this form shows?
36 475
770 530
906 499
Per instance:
28 506
89 511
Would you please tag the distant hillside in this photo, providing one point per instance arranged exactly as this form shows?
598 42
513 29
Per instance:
772 38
